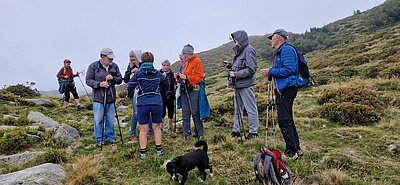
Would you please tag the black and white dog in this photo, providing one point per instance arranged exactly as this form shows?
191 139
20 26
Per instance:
183 164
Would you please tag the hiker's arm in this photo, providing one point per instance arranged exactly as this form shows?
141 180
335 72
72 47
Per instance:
127 74
288 57
90 78
117 79
251 66
60 73
132 85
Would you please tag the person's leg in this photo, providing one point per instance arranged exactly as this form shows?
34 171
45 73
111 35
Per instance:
238 102
170 105
185 115
66 96
198 123
110 112
143 114
98 110
156 114
76 98
285 123
291 95
150 131
249 102
134 119
164 113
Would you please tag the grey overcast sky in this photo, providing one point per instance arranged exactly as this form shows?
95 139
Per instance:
37 35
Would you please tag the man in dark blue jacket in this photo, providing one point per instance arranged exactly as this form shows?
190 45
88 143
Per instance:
283 71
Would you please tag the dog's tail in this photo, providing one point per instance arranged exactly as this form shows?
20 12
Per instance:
202 143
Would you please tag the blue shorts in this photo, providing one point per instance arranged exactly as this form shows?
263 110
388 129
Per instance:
143 114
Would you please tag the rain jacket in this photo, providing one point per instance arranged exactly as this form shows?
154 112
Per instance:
244 63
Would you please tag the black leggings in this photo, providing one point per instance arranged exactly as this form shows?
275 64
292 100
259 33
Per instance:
168 103
68 89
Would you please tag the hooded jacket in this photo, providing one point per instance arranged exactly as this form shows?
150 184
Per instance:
148 80
284 67
138 54
96 73
244 63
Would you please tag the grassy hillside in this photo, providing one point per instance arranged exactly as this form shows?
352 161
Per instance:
346 122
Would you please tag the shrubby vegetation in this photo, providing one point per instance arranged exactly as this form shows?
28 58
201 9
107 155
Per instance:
23 91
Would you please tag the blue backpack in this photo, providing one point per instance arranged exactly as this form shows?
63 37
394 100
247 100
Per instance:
303 76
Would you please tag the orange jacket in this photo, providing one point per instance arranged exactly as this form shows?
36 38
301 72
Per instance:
194 70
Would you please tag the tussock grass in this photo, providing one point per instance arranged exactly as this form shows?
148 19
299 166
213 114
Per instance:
85 170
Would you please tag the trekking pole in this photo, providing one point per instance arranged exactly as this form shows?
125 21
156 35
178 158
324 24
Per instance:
191 110
84 85
104 121
238 109
268 108
175 105
116 115
273 111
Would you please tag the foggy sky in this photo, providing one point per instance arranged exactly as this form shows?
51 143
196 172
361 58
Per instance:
37 35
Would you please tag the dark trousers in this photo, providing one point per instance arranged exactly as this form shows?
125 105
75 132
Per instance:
70 89
284 103
168 103
187 113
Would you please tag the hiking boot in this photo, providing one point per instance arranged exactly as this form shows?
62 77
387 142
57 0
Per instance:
251 136
143 155
299 152
185 138
79 107
170 130
99 143
133 139
160 153
111 142
235 134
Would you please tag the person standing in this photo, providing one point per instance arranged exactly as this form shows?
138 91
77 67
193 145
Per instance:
149 101
242 77
102 76
132 68
190 78
168 92
66 79
283 71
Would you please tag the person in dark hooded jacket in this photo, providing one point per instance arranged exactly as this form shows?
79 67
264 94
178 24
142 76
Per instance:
242 77
149 101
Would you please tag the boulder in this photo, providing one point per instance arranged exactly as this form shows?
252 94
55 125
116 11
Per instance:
66 133
122 108
19 158
42 120
43 102
6 127
49 174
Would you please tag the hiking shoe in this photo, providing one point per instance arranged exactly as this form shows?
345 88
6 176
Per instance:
235 134
133 140
251 136
170 130
185 138
160 153
111 142
79 107
143 155
99 143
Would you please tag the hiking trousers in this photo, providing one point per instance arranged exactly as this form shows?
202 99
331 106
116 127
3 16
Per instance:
245 99
284 103
187 113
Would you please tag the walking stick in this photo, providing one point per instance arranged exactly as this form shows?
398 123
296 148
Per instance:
191 110
104 121
116 115
84 85
238 110
175 105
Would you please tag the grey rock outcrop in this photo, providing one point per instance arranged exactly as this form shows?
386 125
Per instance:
66 133
49 174
42 120
7 127
41 101
19 158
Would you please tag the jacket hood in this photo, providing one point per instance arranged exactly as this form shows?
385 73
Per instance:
242 37
138 54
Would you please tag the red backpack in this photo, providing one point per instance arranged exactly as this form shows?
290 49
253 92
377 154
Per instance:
274 170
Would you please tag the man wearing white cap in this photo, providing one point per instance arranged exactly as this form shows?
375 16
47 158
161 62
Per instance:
102 75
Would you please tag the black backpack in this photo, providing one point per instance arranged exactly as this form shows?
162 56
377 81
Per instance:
274 170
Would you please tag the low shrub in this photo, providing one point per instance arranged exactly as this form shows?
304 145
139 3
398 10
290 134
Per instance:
23 91
347 113
55 156
14 141
352 95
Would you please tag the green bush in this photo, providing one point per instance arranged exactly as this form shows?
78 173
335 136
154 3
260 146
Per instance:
352 95
22 91
8 96
358 60
56 156
348 72
349 114
372 72
14 141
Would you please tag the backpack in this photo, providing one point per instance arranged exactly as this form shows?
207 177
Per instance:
274 170
303 76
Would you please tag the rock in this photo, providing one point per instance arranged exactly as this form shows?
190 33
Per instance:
34 137
43 102
42 120
122 108
6 127
392 148
70 149
123 124
49 174
66 133
33 127
9 117
125 119
19 158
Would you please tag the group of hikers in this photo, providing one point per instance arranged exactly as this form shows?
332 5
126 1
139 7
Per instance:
153 92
